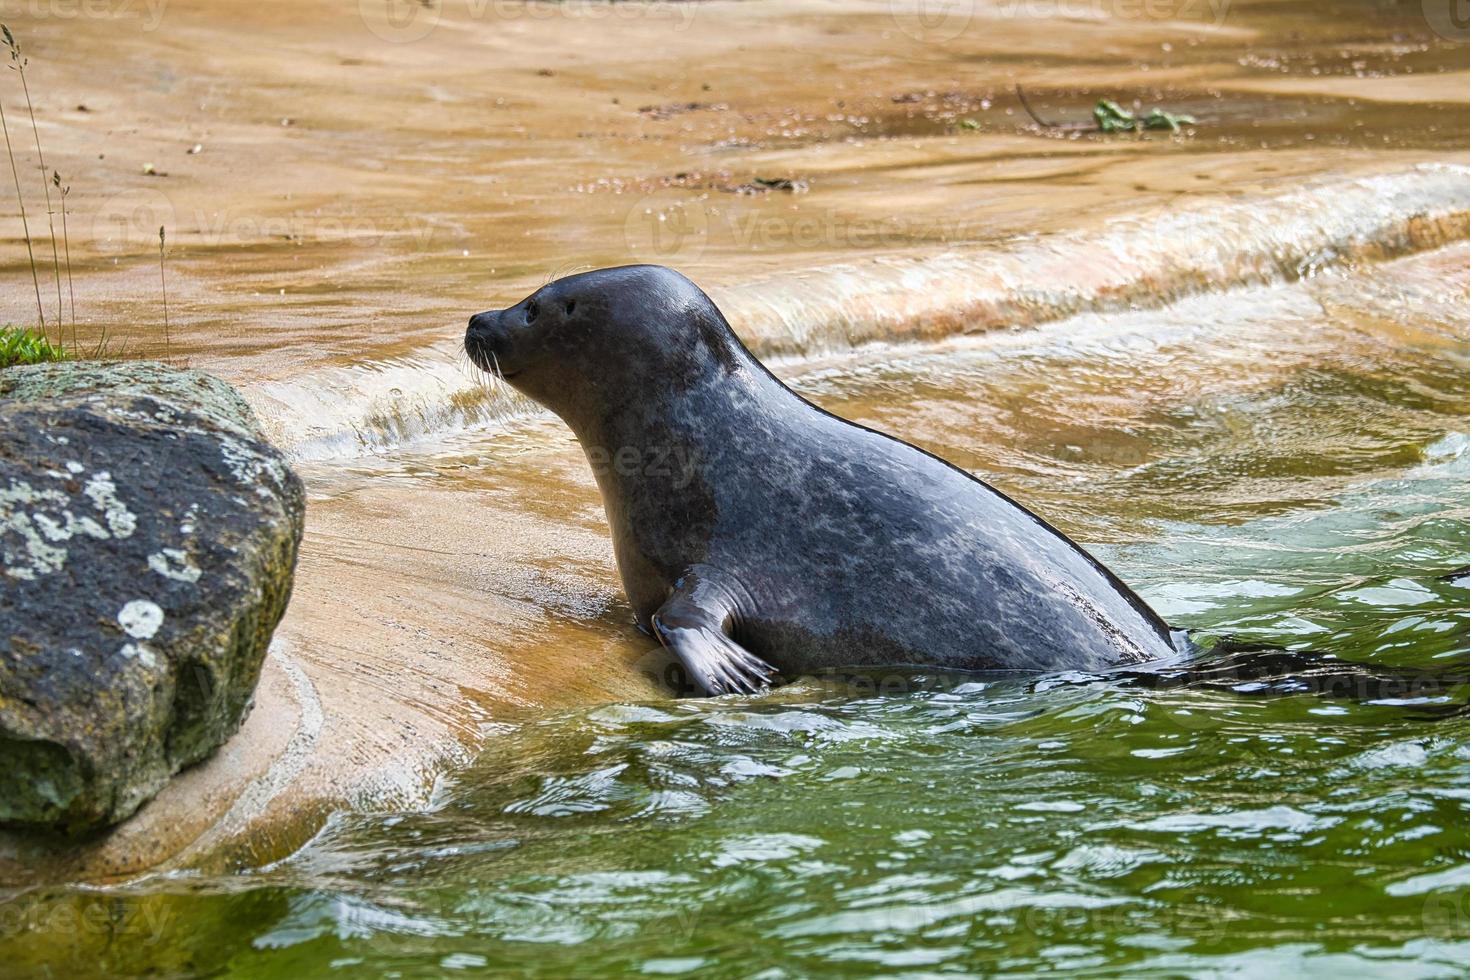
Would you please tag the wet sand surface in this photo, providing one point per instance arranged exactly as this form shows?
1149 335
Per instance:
359 188
359 191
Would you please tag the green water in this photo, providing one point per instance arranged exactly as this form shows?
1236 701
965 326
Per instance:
1254 468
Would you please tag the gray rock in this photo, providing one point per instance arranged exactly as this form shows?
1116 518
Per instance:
148 538
192 390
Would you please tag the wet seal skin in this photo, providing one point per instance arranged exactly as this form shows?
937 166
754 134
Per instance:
759 536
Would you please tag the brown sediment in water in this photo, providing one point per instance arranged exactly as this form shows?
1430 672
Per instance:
356 198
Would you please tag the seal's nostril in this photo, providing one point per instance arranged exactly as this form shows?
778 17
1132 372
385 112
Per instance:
481 324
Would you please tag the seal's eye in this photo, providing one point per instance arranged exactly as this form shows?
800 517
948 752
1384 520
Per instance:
531 310
571 305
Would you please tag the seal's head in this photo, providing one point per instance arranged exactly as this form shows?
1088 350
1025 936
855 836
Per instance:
579 343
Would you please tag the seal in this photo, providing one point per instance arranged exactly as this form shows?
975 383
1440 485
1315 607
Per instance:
759 536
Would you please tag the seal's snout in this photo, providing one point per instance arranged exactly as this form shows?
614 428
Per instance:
480 338
482 326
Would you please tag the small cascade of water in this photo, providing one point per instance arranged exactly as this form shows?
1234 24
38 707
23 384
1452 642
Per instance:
349 410
1134 262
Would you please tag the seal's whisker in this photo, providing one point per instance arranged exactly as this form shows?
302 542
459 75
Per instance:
563 272
476 375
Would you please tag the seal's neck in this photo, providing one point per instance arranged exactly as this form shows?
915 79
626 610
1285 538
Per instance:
723 398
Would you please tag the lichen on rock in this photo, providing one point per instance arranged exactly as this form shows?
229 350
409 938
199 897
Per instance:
148 539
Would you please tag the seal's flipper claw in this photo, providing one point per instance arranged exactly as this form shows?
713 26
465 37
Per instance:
715 662
692 625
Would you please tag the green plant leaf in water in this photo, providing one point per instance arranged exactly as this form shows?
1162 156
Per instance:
1159 119
1113 118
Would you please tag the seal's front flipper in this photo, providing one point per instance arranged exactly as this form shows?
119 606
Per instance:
716 663
693 624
